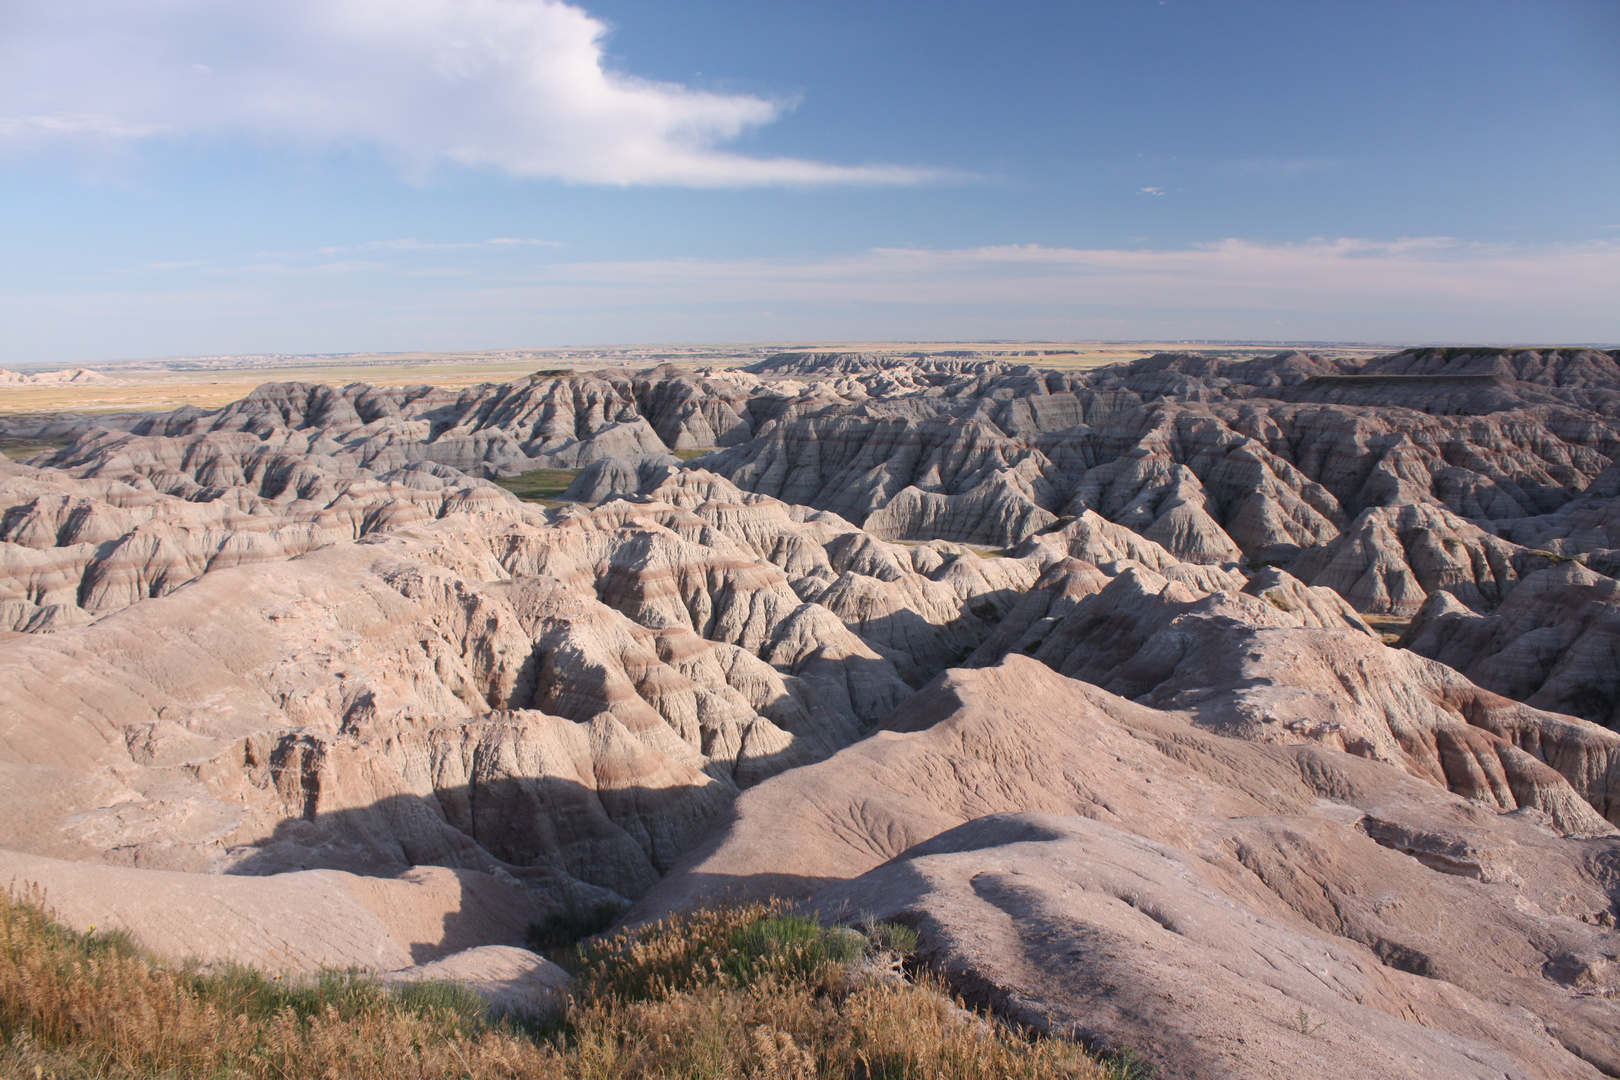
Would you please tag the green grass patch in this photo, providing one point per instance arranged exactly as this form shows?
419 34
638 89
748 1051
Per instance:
695 452
790 944
539 485
16 449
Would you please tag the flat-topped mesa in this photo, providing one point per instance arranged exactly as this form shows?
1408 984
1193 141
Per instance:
1575 368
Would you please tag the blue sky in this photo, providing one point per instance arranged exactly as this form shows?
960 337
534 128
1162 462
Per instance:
186 177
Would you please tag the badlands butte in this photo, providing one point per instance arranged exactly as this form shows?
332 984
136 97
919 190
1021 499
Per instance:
1170 702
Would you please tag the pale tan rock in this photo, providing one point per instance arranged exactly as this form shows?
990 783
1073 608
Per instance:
291 923
343 711
1195 871
65 377
509 979
1551 643
1079 928
1315 606
1307 669
1093 539
1388 561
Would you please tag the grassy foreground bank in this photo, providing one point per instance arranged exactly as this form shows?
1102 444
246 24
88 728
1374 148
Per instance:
743 992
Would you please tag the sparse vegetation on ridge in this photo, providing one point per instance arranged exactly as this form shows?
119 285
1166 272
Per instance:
743 992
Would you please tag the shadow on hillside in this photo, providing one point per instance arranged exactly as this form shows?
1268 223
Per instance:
904 634
572 845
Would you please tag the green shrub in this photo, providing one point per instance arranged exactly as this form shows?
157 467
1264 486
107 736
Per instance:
539 485
448 1001
791 947
1127 1064
247 991
895 937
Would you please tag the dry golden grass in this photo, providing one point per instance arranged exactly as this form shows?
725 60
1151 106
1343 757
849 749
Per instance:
143 391
745 992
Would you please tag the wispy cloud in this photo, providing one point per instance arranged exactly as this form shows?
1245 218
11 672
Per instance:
1407 289
499 243
520 86
75 125
1349 275
516 241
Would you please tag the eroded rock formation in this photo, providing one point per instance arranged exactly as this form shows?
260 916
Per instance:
1098 868
1068 669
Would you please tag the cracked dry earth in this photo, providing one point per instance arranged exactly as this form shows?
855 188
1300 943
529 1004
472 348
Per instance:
1087 676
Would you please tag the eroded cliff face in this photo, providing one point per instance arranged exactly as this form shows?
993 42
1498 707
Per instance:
307 632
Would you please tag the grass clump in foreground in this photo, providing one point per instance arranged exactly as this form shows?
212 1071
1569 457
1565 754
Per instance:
741 992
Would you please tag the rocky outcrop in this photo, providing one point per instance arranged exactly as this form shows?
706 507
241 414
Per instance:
71 550
1216 462
608 477
1388 561
1551 643
359 709
65 377
1292 664
573 694
489 429
1082 929
289 923
1313 605
1219 462
1098 868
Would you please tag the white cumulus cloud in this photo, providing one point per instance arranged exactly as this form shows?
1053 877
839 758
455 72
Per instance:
519 86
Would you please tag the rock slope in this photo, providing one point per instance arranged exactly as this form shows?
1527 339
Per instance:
1098 868
1082 673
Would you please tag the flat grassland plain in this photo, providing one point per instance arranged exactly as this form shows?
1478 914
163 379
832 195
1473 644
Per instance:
210 382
